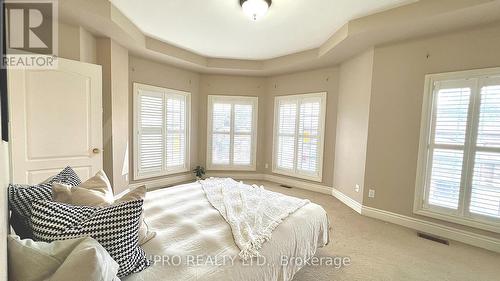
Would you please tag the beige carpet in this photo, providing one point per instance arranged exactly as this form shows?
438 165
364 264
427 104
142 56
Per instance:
384 251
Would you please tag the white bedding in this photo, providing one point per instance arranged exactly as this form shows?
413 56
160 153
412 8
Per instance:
194 242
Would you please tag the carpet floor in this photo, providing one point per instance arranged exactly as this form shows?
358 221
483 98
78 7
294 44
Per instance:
383 251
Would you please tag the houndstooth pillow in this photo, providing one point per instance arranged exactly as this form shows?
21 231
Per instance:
21 198
115 227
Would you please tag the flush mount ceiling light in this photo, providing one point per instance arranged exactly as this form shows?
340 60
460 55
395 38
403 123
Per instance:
255 9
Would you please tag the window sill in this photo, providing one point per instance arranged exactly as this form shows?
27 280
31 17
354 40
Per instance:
475 222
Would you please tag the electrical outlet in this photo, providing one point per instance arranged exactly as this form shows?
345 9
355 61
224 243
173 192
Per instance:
356 188
371 193
267 166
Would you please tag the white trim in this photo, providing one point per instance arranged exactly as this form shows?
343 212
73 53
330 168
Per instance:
318 177
236 175
351 203
250 100
164 92
463 236
440 230
299 184
167 181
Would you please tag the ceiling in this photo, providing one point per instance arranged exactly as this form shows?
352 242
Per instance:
220 29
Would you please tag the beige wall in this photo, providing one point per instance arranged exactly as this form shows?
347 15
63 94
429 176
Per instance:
395 110
322 80
161 75
120 118
69 41
88 52
231 86
104 59
76 43
115 92
355 85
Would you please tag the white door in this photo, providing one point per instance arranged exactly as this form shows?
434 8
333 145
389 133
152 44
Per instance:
55 121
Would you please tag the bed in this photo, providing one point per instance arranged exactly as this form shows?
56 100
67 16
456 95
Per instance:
194 242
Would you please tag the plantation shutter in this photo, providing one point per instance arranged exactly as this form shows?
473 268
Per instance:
176 132
299 122
309 134
232 121
287 134
151 133
221 137
243 124
458 175
485 191
450 117
161 128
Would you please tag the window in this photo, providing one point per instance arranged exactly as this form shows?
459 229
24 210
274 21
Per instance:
232 133
161 131
458 176
299 125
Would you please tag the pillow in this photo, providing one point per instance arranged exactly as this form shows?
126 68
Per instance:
60 260
115 227
97 191
21 198
138 193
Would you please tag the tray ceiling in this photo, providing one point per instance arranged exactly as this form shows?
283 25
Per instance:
220 29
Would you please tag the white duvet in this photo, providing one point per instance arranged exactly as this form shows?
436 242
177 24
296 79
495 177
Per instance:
194 242
252 212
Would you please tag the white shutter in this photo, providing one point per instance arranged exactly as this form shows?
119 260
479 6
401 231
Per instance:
299 131
161 131
485 197
489 117
151 134
446 178
231 132
176 131
451 115
243 124
485 194
309 132
451 112
221 138
286 134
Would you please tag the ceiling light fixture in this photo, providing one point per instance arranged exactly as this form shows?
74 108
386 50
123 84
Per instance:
255 9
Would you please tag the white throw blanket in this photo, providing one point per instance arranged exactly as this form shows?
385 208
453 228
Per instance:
251 211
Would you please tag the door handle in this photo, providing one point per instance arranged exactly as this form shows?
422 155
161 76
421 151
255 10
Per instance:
96 151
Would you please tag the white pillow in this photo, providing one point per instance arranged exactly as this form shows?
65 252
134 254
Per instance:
61 260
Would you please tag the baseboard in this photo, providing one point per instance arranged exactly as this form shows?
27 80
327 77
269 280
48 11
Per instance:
443 231
299 184
236 175
353 204
169 180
